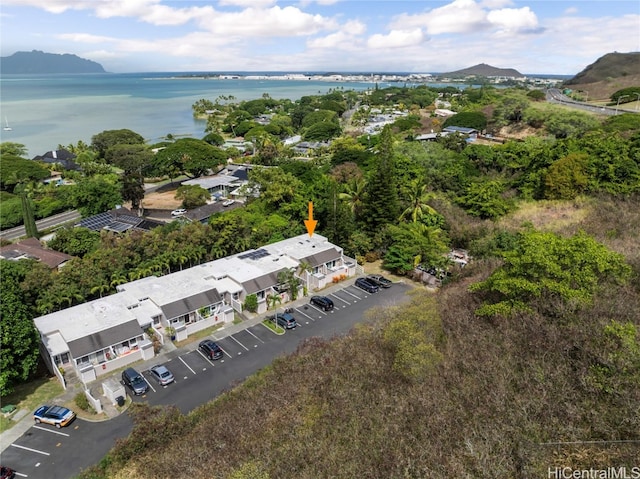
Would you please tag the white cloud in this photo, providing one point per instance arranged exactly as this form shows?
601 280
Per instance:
571 11
247 3
396 39
492 4
460 16
85 38
273 22
510 20
345 39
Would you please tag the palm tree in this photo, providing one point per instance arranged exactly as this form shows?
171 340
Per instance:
354 195
305 268
418 207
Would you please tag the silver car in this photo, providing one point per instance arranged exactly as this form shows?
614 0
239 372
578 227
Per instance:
162 375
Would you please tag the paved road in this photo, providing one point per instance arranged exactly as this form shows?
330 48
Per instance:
43 224
556 96
48 453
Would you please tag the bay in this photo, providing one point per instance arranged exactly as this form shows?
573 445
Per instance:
45 111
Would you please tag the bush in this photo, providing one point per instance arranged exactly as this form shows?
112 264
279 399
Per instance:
82 402
251 303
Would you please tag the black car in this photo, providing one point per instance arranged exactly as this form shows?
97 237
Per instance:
321 302
210 349
285 320
135 381
380 280
368 286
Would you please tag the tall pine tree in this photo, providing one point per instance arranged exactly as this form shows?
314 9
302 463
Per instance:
381 205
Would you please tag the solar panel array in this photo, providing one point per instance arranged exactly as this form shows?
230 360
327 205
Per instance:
107 221
257 254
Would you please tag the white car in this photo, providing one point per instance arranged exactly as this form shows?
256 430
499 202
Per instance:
228 203
178 212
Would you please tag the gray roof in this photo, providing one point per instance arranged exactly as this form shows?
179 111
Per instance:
323 257
191 303
102 339
261 283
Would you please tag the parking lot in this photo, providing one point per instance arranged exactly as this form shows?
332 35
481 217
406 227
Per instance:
47 452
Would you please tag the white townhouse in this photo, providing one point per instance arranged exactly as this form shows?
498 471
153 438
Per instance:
94 338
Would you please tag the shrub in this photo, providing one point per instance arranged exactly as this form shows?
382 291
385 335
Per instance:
251 303
82 402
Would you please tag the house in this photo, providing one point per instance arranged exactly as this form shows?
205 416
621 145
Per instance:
118 220
31 248
225 184
469 132
94 338
62 157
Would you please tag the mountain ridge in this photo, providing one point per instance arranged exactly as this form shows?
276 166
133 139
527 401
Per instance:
38 62
482 69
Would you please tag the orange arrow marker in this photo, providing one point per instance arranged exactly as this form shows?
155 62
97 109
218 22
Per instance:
310 223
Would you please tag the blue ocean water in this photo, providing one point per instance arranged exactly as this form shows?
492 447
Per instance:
44 111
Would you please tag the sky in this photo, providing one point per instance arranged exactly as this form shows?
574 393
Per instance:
420 36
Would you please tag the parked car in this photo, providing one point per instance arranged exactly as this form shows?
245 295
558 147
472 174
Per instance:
161 374
322 302
228 202
210 349
380 280
285 320
368 286
57 416
178 212
134 380
7 473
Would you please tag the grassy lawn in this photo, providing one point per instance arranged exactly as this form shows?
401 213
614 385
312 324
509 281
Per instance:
273 327
196 336
30 396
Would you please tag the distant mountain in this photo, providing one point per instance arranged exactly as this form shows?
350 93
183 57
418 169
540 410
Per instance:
610 66
484 70
40 62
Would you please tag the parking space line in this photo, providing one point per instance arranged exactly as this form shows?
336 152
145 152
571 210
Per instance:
188 367
20 474
354 295
234 338
225 352
304 314
32 450
51 431
338 297
254 336
318 309
149 383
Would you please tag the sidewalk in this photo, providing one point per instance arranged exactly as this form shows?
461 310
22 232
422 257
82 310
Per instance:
169 351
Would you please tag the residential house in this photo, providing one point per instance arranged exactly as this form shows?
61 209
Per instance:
118 220
97 337
31 248
61 157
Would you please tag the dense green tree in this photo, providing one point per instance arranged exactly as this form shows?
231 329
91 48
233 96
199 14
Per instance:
19 339
189 156
136 161
319 116
192 196
563 124
381 206
486 199
411 244
15 170
10 148
549 273
417 206
108 138
214 139
321 131
347 149
97 194
467 119
75 241
566 178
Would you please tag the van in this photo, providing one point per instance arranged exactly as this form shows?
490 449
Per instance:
134 380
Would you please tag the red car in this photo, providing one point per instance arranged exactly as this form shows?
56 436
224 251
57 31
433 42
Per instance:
7 473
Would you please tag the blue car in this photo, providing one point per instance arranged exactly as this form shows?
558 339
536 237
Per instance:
57 416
